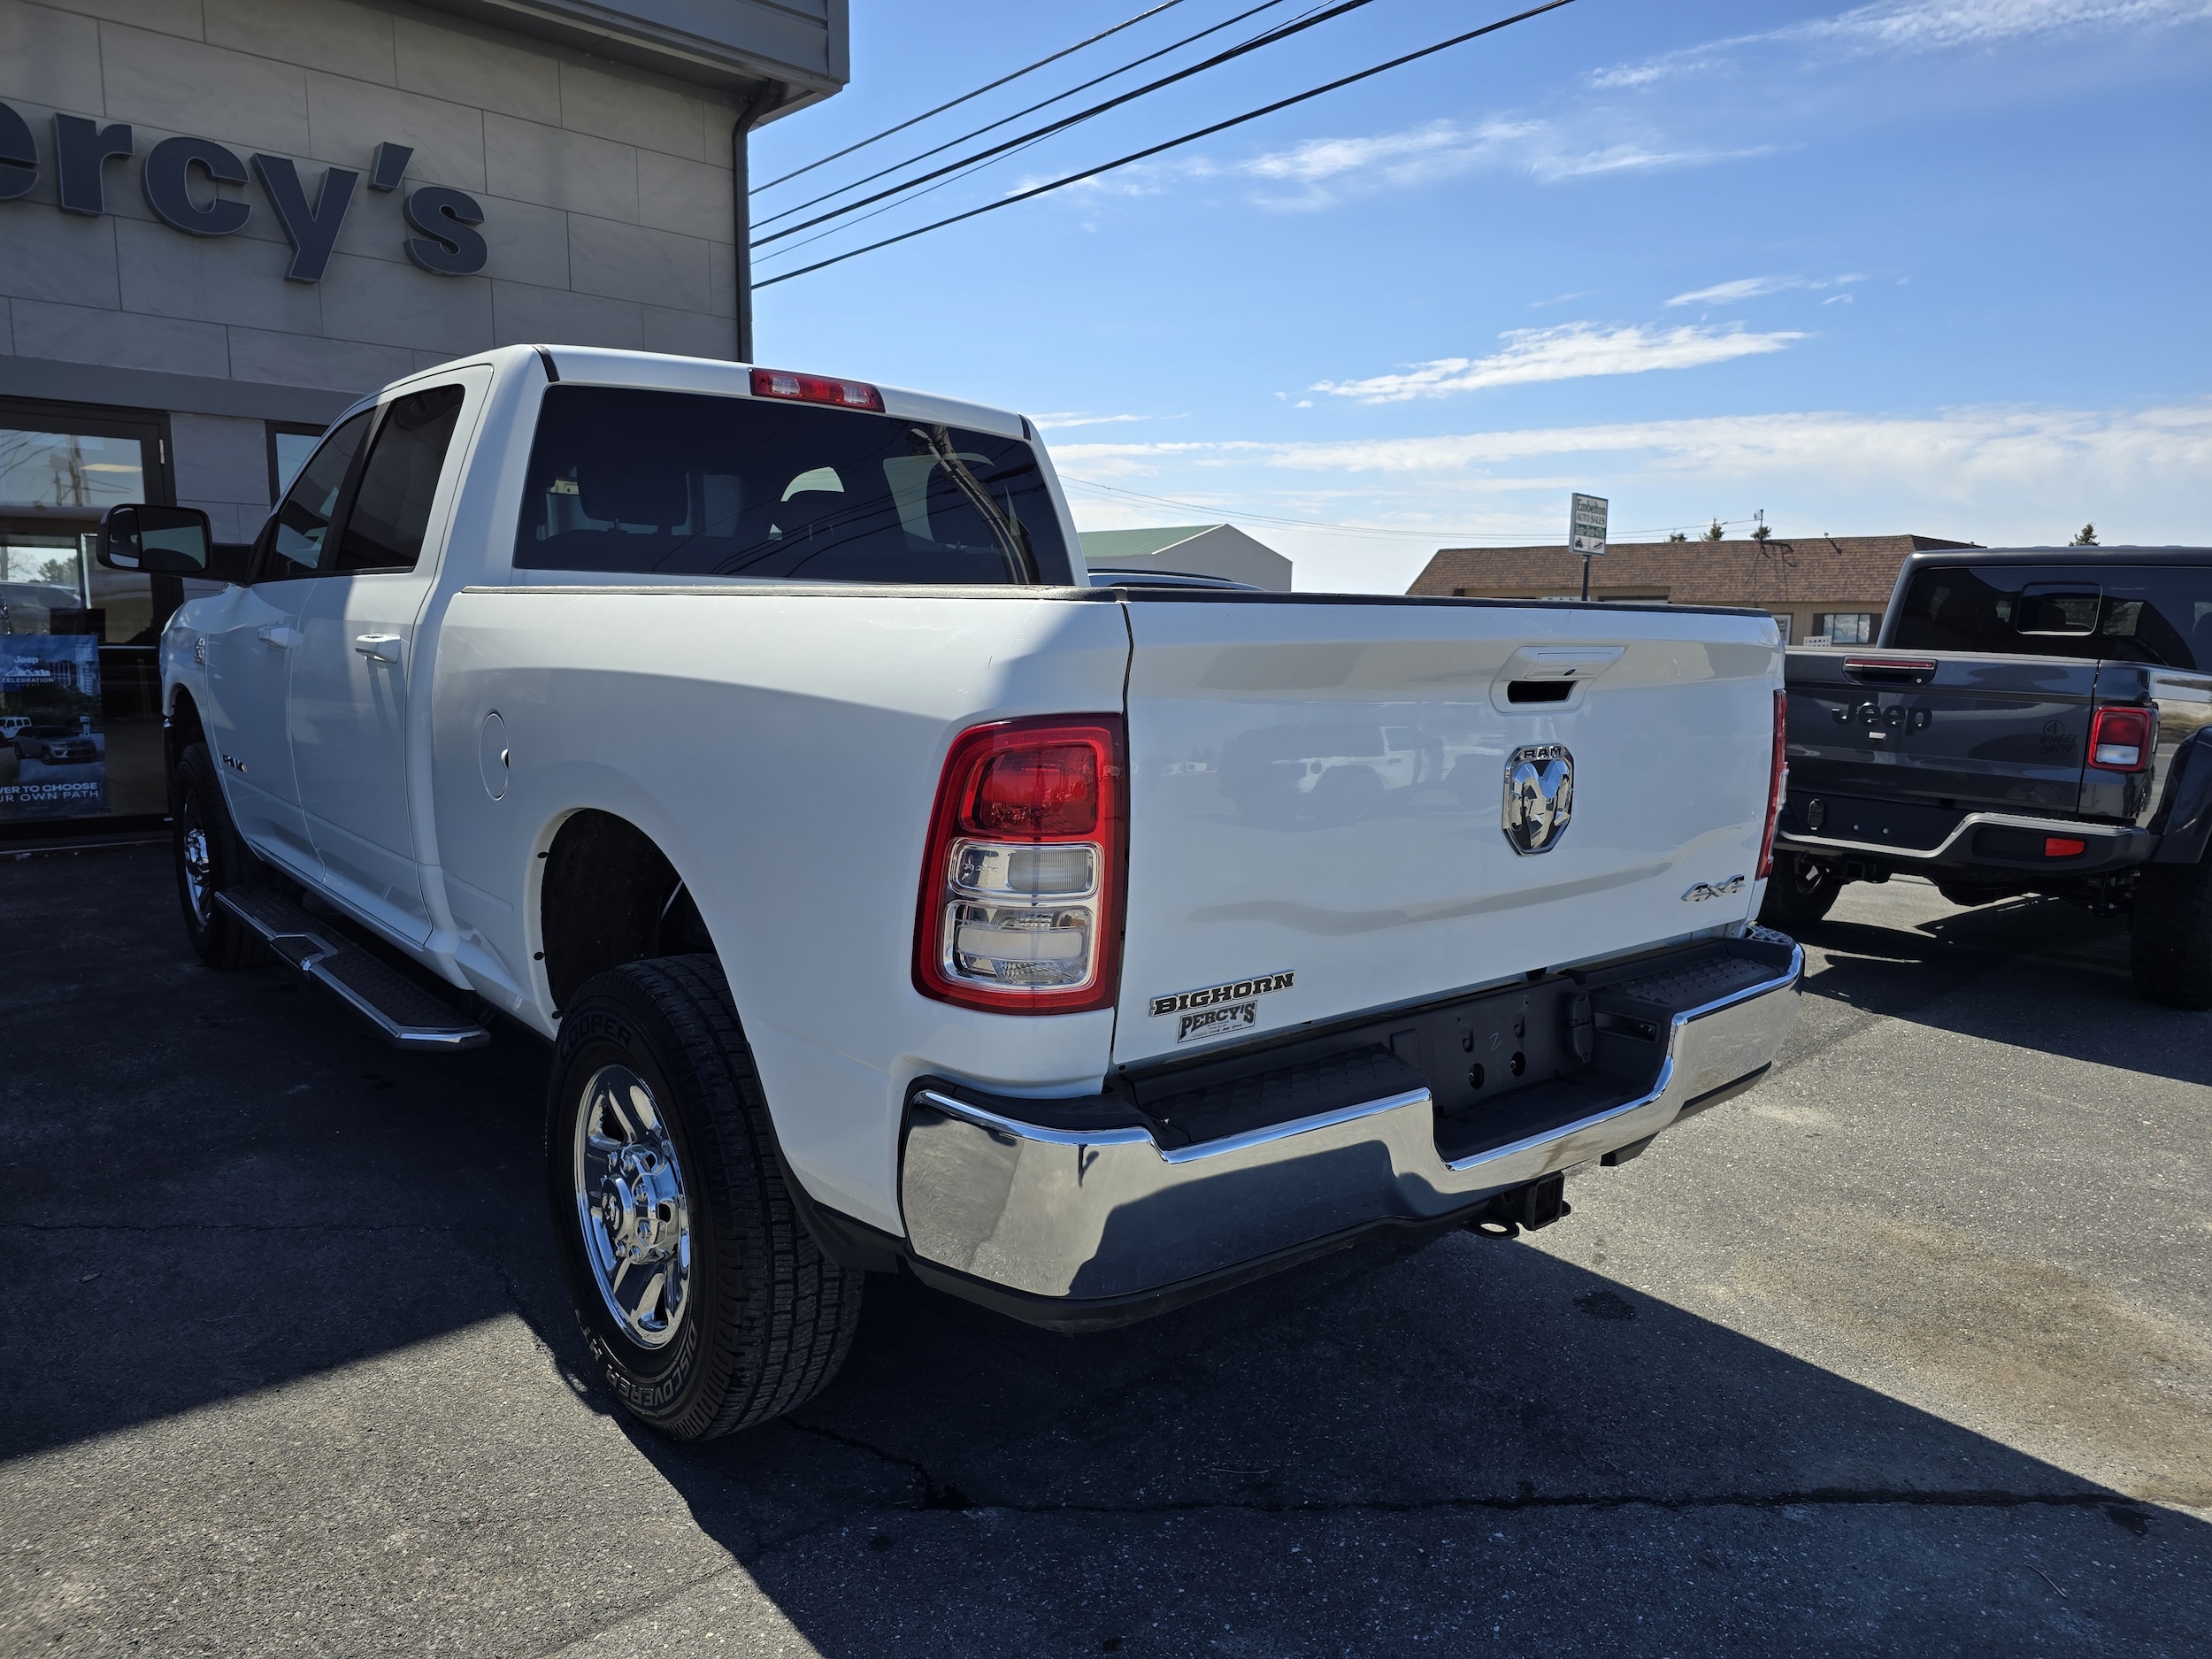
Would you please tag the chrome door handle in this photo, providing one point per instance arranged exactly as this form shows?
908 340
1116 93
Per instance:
378 647
285 639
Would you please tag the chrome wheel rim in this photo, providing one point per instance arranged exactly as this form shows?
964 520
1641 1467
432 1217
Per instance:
631 1207
199 872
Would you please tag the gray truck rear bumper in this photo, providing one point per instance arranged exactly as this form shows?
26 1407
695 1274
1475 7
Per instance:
1100 1215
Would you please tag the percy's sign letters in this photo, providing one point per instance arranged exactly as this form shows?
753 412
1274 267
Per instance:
180 174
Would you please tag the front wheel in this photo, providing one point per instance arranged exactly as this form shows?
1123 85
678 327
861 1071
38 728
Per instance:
706 1303
2170 938
211 858
1800 893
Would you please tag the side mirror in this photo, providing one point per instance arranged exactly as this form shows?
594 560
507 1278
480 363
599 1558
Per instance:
155 540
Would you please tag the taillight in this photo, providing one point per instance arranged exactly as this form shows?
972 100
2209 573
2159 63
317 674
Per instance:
817 388
1022 883
2063 847
2120 740
1775 773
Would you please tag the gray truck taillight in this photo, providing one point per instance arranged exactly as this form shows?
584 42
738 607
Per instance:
1022 879
1777 775
2120 740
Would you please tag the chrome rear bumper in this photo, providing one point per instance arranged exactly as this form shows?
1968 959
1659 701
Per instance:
1097 1214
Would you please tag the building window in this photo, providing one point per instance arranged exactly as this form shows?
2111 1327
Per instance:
1782 620
1845 628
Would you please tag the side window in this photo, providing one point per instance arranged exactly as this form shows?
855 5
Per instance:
391 509
302 521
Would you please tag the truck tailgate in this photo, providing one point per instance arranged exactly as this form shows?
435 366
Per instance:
1953 731
1317 788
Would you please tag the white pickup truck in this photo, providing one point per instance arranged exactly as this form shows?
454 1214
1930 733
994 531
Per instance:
895 899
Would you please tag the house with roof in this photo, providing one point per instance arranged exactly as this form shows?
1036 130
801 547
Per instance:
1825 589
1190 549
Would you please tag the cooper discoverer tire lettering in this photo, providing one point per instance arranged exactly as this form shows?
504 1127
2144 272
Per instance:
706 1303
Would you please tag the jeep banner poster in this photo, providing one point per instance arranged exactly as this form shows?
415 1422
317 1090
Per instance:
53 754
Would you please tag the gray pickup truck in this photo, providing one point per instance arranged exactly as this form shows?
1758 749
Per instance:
2031 720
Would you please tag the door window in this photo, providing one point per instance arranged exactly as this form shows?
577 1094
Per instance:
302 522
391 508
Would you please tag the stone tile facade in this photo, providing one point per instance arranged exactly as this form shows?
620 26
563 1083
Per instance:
606 192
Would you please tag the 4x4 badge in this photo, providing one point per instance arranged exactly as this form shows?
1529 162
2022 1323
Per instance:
1703 891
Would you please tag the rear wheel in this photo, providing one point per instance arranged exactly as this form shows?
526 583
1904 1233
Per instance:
211 858
2170 936
706 1302
1800 893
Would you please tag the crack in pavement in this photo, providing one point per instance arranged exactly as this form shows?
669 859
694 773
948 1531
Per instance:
224 1226
942 1495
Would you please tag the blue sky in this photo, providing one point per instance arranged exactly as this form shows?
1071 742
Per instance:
1933 265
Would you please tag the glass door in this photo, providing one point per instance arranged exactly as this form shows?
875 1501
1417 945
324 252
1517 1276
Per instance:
80 677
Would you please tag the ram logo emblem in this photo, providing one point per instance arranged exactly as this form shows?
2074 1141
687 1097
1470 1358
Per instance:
1539 787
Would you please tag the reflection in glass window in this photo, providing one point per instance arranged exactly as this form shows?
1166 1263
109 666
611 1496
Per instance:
63 469
391 505
292 450
678 484
2116 612
302 517
1846 627
41 580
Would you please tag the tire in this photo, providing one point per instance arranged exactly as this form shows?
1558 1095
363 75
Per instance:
1800 893
748 1319
211 859
2170 937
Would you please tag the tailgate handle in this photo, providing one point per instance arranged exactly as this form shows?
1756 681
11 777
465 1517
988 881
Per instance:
1562 662
1889 671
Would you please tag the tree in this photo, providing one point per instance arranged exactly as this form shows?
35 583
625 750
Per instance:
1715 532
1677 536
2087 536
1759 532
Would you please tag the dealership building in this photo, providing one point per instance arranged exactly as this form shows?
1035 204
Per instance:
221 222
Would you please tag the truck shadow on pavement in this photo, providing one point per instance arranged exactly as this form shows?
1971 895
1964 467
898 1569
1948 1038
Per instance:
2032 973
224 1200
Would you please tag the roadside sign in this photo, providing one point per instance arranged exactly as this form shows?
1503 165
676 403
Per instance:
1586 526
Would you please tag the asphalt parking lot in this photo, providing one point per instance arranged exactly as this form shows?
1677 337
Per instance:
1909 1351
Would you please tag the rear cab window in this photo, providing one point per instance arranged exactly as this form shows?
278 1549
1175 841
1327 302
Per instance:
2157 614
677 485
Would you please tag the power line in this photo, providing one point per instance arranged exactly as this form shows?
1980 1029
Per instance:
965 97
990 126
1348 529
1269 37
1204 131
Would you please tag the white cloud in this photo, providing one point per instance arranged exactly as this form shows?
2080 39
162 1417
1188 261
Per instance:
1752 287
1921 25
1061 421
1326 168
1317 172
1998 475
1570 351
